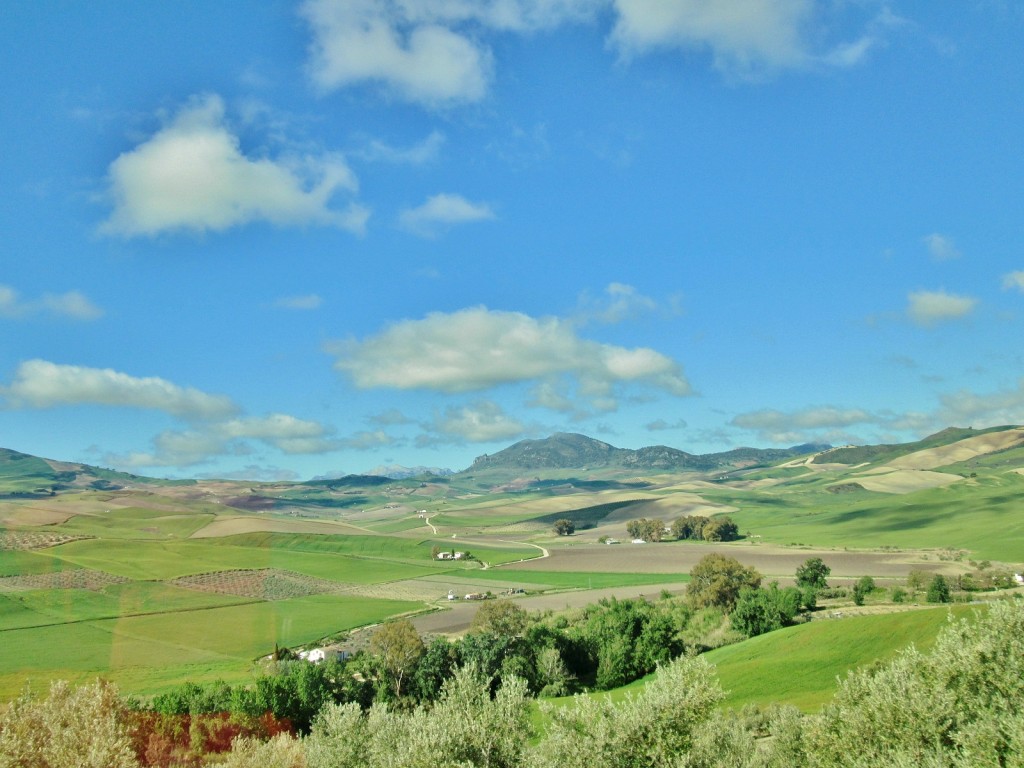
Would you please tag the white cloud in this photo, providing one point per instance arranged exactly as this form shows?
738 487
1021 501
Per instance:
443 210
941 247
367 440
42 384
308 302
815 424
193 175
481 422
1014 280
477 349
427 52
746 38
232 437
929 308
966 408
74 305
357 41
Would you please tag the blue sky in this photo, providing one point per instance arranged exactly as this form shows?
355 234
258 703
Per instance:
278 240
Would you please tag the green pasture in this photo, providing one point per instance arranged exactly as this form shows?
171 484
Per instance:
135 523
19 562
979 514
577 580
801 665
44 607
144 560
146 654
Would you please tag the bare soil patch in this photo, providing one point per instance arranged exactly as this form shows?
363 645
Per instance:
82 578
680 557
24 514
262 584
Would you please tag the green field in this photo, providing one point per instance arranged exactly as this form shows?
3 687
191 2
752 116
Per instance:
577 580
149 653
802 665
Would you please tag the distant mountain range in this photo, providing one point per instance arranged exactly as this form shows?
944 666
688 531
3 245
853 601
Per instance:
567 450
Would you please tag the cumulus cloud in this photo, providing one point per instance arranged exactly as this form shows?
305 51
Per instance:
231 437
42 384
477 349
193 175
929 308
803 425
303 303
1014 280
427 52
442 211
746 38
966 408
481 422
941 247
73 305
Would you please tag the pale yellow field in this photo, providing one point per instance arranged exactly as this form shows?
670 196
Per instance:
961 450
18 515
904 480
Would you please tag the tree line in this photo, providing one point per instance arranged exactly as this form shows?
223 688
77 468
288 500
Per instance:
961 705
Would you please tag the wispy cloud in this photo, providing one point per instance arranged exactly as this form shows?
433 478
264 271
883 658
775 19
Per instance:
73 305
442 211
660 425
192 175
1014 281
941 247
929 308
418 154
307 302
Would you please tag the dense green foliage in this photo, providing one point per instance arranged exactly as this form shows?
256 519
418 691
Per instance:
961 705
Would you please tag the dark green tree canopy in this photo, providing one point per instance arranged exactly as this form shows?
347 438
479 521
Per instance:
813 573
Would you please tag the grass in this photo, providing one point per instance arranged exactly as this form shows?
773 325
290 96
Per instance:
143 560
578 580
803 665
145 654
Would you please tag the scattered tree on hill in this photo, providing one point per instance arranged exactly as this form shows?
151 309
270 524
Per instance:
813 573
398 646
865 586
690 527
565 527
721 529
500 617
763 610
648 530
938 589
717 580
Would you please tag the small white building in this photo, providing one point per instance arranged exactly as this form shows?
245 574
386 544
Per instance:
639 541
